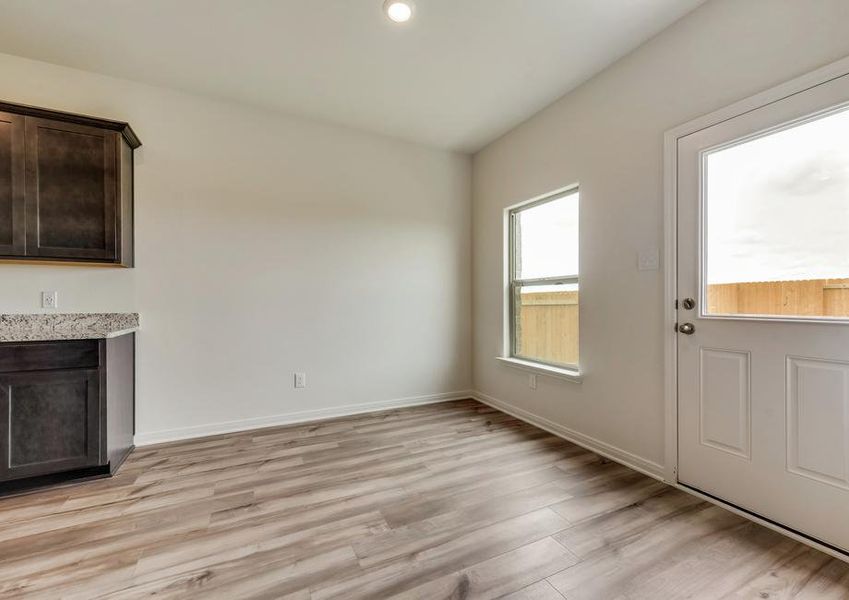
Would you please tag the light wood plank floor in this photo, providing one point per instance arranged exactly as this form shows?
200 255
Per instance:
454 500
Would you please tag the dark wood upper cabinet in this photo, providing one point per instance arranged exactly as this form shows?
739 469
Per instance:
71 190
12 208
66 187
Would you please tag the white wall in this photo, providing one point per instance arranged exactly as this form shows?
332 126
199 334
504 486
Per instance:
267 245
608 136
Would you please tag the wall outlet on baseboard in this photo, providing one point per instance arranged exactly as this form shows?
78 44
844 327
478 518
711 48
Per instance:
49 299
300 380
532 381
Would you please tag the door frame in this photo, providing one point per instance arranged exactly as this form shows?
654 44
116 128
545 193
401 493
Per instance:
817 77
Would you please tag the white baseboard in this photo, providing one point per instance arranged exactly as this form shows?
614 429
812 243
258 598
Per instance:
647 467
196 431
633 461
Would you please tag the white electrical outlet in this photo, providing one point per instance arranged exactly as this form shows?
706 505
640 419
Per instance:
300 380
532 381
49 299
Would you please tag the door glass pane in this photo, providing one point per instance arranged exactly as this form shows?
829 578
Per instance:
546 238
546 323
777 222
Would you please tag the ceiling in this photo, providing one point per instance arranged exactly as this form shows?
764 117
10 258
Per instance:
457 76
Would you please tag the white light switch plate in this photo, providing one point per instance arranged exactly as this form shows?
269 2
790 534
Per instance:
49 299
648 260
300 380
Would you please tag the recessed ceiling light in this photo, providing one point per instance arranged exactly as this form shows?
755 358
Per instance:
399 11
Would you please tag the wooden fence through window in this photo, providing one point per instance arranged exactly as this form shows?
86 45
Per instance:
547 328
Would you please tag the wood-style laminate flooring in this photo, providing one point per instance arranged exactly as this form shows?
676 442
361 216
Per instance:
452 500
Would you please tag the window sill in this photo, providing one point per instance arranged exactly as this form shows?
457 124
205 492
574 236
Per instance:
572 375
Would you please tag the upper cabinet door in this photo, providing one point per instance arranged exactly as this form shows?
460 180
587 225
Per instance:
12 210
71 191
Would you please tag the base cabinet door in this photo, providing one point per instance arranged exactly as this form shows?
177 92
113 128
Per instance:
49 422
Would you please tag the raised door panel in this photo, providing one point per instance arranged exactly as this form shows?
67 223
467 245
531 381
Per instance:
818 420
725 401
71 190
50 422
12 210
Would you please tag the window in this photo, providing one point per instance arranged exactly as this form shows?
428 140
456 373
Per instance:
543 280
777 214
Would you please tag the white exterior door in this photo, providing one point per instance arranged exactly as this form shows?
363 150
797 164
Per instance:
763 311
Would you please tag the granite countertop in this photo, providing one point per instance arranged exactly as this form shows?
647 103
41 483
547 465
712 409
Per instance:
66 326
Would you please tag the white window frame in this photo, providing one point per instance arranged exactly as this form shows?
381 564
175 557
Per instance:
512 282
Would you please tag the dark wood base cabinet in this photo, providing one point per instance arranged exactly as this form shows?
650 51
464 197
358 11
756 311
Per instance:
66 410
